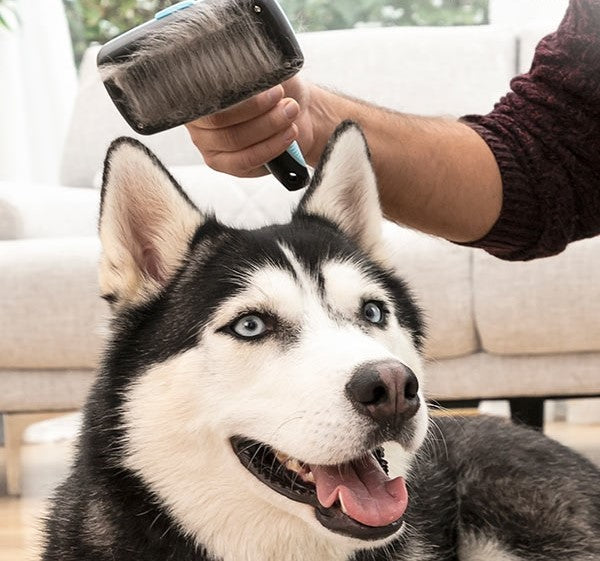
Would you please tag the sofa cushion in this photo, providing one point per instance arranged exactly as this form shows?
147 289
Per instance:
34 210
439 275
482 375
50 311
11 226
43 390
545 306
241 202
422 70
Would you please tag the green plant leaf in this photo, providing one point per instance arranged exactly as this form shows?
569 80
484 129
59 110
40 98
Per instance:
100 20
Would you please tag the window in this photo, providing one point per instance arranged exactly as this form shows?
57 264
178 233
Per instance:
100 20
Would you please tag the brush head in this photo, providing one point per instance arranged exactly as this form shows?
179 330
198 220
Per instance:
201 59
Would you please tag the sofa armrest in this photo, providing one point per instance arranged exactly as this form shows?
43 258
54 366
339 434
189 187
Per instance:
47 211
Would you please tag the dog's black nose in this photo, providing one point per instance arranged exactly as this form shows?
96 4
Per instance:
386 391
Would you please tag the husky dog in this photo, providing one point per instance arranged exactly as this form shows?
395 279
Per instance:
252 380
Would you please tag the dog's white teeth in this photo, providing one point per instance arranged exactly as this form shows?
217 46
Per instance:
342 505
281 457
308 477
293 465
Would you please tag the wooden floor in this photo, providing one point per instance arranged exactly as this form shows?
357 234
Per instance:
45 465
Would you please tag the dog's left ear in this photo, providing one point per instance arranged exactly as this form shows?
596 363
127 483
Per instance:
344 189
146 224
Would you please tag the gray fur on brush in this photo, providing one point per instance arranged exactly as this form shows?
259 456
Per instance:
198 61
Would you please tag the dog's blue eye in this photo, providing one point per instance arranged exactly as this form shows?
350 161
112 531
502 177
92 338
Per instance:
373 312
249 327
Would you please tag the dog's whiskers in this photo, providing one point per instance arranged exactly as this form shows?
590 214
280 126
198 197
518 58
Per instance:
273 465
440 432
285 422
260 446
294 481
247 448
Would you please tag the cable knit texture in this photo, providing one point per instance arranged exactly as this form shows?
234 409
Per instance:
545 135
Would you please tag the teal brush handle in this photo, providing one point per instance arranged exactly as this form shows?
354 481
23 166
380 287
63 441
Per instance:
290 168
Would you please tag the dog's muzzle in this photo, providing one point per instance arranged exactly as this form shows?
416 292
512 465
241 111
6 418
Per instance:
386 392
355 498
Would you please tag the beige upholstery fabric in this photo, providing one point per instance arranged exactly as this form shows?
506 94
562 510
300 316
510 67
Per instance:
49 211
414 69
50 312
482 375
43 390
469 377
244 203
439 274
544 306
10 218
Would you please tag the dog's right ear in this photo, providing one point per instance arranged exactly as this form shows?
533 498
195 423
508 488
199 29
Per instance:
344 189
146 224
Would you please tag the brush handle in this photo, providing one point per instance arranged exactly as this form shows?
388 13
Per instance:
290 168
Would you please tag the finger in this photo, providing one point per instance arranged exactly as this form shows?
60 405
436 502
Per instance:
242 136
241 112
246 162
258 172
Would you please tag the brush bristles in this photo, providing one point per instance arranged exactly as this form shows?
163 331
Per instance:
217 55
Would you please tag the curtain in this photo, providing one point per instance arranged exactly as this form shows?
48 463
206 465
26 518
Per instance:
37 88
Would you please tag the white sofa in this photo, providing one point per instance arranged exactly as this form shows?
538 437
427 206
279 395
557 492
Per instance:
496 329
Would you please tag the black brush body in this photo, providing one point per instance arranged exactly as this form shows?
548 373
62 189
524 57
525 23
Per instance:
198 58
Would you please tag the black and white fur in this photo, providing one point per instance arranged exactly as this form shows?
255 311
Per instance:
155 477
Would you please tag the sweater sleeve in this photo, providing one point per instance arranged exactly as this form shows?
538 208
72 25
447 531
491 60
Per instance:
545 136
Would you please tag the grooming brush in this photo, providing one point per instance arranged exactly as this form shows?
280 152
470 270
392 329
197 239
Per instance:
196 58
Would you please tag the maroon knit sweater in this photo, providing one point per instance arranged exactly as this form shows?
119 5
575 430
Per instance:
545 135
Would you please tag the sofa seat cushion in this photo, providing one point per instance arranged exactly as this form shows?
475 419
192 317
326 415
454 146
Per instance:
10 217
43 390
482 375
37 210
50 310
439 275
545 306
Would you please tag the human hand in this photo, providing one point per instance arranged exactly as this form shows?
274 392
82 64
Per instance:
242 138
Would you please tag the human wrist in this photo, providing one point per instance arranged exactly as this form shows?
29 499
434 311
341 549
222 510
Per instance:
325 115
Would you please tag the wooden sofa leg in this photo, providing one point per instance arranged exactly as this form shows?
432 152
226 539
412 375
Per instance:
528 411
13 434
15 425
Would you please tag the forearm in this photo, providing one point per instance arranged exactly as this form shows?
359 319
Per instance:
435 175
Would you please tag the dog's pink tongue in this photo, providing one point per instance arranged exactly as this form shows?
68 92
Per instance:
368 494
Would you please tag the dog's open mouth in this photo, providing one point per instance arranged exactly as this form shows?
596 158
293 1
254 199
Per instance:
356 499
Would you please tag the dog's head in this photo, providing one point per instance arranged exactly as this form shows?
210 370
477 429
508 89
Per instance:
264 367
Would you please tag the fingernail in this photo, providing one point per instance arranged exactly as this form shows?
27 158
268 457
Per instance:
291 133
291 109
275 94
